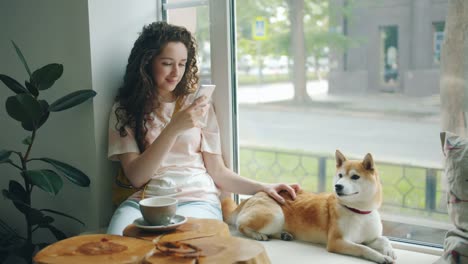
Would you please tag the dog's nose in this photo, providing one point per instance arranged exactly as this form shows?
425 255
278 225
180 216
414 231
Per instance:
338 187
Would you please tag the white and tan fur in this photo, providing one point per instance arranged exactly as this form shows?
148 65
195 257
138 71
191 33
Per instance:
324 218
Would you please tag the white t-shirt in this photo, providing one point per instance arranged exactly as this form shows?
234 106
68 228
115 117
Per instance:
183 168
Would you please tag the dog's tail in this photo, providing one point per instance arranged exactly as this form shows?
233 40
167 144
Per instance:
230 210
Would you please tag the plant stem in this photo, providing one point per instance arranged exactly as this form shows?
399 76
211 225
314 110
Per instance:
29 245
30 145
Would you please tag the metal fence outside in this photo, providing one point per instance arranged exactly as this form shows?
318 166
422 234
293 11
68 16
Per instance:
404 186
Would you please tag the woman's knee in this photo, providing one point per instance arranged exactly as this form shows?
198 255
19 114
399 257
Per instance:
124 215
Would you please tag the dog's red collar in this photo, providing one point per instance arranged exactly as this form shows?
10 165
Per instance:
358 211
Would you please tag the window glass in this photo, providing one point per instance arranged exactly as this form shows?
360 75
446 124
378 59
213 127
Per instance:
315 76
194 15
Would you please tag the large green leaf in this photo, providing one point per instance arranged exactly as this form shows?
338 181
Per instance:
18 191
20 55
71 173
62 214
4 155
47 180
27 126
42 120
71 100
45 112
31 88
36 217
22 207
46 76
13 84
18 195
24 108
44 105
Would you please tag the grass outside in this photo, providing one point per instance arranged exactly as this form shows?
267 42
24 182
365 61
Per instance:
404 187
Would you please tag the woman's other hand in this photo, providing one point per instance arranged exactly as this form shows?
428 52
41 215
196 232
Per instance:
274 189
190 117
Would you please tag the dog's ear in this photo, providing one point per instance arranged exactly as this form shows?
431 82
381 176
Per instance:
368 162
340 158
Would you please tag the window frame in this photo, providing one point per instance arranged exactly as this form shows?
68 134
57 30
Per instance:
222 65
223 74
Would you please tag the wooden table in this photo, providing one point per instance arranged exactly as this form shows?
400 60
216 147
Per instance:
201 241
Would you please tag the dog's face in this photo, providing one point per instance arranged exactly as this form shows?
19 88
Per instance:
356 183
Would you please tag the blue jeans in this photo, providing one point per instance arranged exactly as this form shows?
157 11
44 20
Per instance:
129 210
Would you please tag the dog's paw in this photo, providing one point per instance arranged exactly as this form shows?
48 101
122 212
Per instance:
259 236
379 258
388 251
385 260
286 236
388 260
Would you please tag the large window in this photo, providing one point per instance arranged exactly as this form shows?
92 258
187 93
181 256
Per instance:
194 15
322 77
209 21
313 76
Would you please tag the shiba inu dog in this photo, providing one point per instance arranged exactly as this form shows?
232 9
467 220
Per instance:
347 220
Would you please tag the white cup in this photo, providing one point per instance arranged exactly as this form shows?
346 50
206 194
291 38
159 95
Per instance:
158 211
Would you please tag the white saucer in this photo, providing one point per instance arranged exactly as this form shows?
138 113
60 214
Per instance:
176 221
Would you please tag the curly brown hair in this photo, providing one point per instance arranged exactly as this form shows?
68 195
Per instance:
136 97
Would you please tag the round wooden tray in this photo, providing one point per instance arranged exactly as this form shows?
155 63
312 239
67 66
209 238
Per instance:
214 250
204 241
99 248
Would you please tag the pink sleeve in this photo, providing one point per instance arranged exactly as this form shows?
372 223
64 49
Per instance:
117 144
211 140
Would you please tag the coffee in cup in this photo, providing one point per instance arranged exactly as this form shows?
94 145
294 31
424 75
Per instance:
158 211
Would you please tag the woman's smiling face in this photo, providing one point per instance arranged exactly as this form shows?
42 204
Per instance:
169 68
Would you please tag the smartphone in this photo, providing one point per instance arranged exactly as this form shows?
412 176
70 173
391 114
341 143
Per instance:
206 90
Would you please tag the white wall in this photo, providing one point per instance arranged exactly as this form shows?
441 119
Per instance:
92 39
50 31
114 27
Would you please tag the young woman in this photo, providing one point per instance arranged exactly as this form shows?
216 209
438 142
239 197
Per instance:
156 133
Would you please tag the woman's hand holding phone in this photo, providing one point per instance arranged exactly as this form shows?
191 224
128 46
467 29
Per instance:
195 114
207 91
204 90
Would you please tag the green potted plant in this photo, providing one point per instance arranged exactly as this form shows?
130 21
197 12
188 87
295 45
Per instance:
32 112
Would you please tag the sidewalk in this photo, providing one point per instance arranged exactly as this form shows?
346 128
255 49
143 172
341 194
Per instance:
281 95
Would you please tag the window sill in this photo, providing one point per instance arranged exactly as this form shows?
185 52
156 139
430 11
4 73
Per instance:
417 248
300 252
